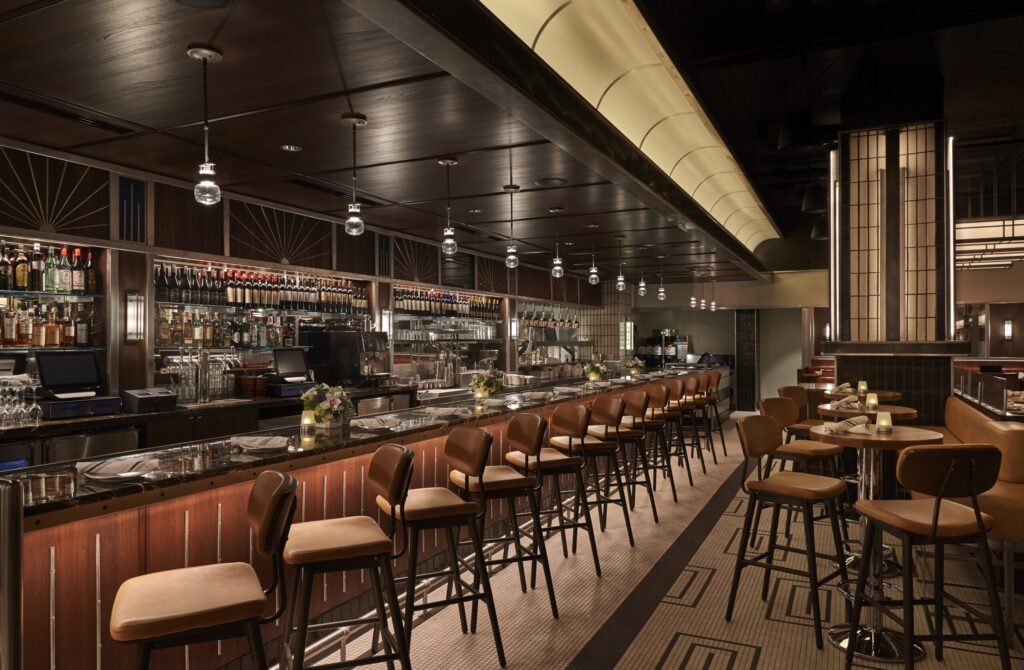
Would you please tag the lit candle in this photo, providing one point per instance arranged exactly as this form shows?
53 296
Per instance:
883 422
862 387
307 423
871 401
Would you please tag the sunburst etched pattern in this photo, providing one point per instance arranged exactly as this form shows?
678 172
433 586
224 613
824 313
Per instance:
53 195
491 275
415 261
274 235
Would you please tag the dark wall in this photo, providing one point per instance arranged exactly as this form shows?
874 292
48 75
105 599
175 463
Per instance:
924 381
131 275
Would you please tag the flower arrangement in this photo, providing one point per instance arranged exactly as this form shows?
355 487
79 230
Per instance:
634 365
328 403
594 369
484 384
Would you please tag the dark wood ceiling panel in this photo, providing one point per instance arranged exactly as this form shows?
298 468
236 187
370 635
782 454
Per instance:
182 223
46 126
52 195
128 59
268 234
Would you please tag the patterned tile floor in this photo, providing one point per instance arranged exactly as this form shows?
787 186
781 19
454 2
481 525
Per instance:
661 604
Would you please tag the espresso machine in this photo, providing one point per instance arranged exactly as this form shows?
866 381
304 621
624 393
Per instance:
346 357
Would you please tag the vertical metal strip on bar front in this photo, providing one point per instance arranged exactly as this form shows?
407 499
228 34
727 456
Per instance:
10 575
99 607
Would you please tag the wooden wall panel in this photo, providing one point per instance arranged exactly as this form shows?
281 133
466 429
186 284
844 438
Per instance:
533 283
131 275
182 223
491 275
998 313
357 254
590 295
415 261
50 195
268 234
566 289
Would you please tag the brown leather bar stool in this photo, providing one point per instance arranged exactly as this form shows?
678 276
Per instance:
606 412
802 427
631 436
944 472
438 507
759 437
715 378
804 453
679 409
659 420
212 602
350 543
700 399
506 483
530 456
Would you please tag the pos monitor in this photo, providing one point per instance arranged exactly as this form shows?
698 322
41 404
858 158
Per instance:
69 374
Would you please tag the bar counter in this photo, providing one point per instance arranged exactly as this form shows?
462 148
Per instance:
77 550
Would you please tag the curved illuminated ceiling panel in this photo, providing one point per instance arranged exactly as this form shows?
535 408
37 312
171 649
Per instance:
606 51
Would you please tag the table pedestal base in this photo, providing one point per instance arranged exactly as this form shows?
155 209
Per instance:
882 644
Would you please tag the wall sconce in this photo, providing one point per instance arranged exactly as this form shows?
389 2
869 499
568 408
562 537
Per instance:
134 316
1008 329
828 332
513 328
385 321
883 422
862 387
871 401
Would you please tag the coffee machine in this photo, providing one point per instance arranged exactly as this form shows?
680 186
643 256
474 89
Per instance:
346 357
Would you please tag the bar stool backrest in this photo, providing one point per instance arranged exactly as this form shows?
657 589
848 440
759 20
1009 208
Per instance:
690 386
675 387
467 449
636 403
703 381
716 379
797 394
607 411
390 473
659 396
759 435
571 420
949 470
783 410
270 507
525 433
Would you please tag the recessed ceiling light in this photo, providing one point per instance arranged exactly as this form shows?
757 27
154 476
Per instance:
568 244
291 147
660 256
592 226
551 182
556 210
476 210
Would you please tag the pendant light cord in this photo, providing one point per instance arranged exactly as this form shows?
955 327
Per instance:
448 187
353 163
511 193
206 115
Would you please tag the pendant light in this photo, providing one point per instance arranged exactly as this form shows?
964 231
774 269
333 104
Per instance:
593 279
713 306
620 281
661 288
354 223
206 191
511 259
693 291
557 271
703 302
641 288
449 246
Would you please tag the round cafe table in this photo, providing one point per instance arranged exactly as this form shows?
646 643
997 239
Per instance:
883 396
873 640
898 412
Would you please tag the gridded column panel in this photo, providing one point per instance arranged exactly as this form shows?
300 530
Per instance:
920 232
865 169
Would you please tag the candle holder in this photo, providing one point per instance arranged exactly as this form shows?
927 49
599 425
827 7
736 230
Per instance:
871 401
307 423
862 387
883 422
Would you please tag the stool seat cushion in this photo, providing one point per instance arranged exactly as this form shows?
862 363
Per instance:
809 449
915 516
609 433
632 423
799 485
167 603
335 539
655 414
496 478
433 502
587 443
549 458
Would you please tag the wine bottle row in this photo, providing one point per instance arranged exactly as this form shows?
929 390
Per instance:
257 290
428 302
51 272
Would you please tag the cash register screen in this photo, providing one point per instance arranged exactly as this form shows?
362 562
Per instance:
290 362
68 370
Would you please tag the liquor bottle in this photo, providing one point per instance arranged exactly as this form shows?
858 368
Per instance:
186 329
36 281
197 330
21 271
193 286
203 287
217 292
81 328
216 331
53 329
38 329
64 272
92 275
6 269
24 325
51 280
207 331
177 330
77 273
163 330
247 299
67 328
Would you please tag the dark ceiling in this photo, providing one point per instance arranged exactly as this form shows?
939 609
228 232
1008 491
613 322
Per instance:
781 79
110 80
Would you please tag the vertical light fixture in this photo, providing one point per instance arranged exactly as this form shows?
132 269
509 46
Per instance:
449 246
557 271
693 290
206 192
713 306
511 259
1008 329
354 223
641 288
703 300
661 287
593 279
620 281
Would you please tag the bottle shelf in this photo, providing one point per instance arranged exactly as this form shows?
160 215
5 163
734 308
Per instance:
221 350
46 294
470 340
13 348
240 308
438 318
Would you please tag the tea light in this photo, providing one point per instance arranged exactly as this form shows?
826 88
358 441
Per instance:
307 423
306 442
862 387
871 401
883 422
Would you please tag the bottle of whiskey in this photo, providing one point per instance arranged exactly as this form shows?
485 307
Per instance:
24 326
53 329
81 328
36 268
38 329
67 328
21 271
6 269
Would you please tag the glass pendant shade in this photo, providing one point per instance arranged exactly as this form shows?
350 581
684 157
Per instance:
620 283
641 288
354 223
693 301
511 260
449 246
206 191
593 279
713 307
557 271
703 304
661 293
